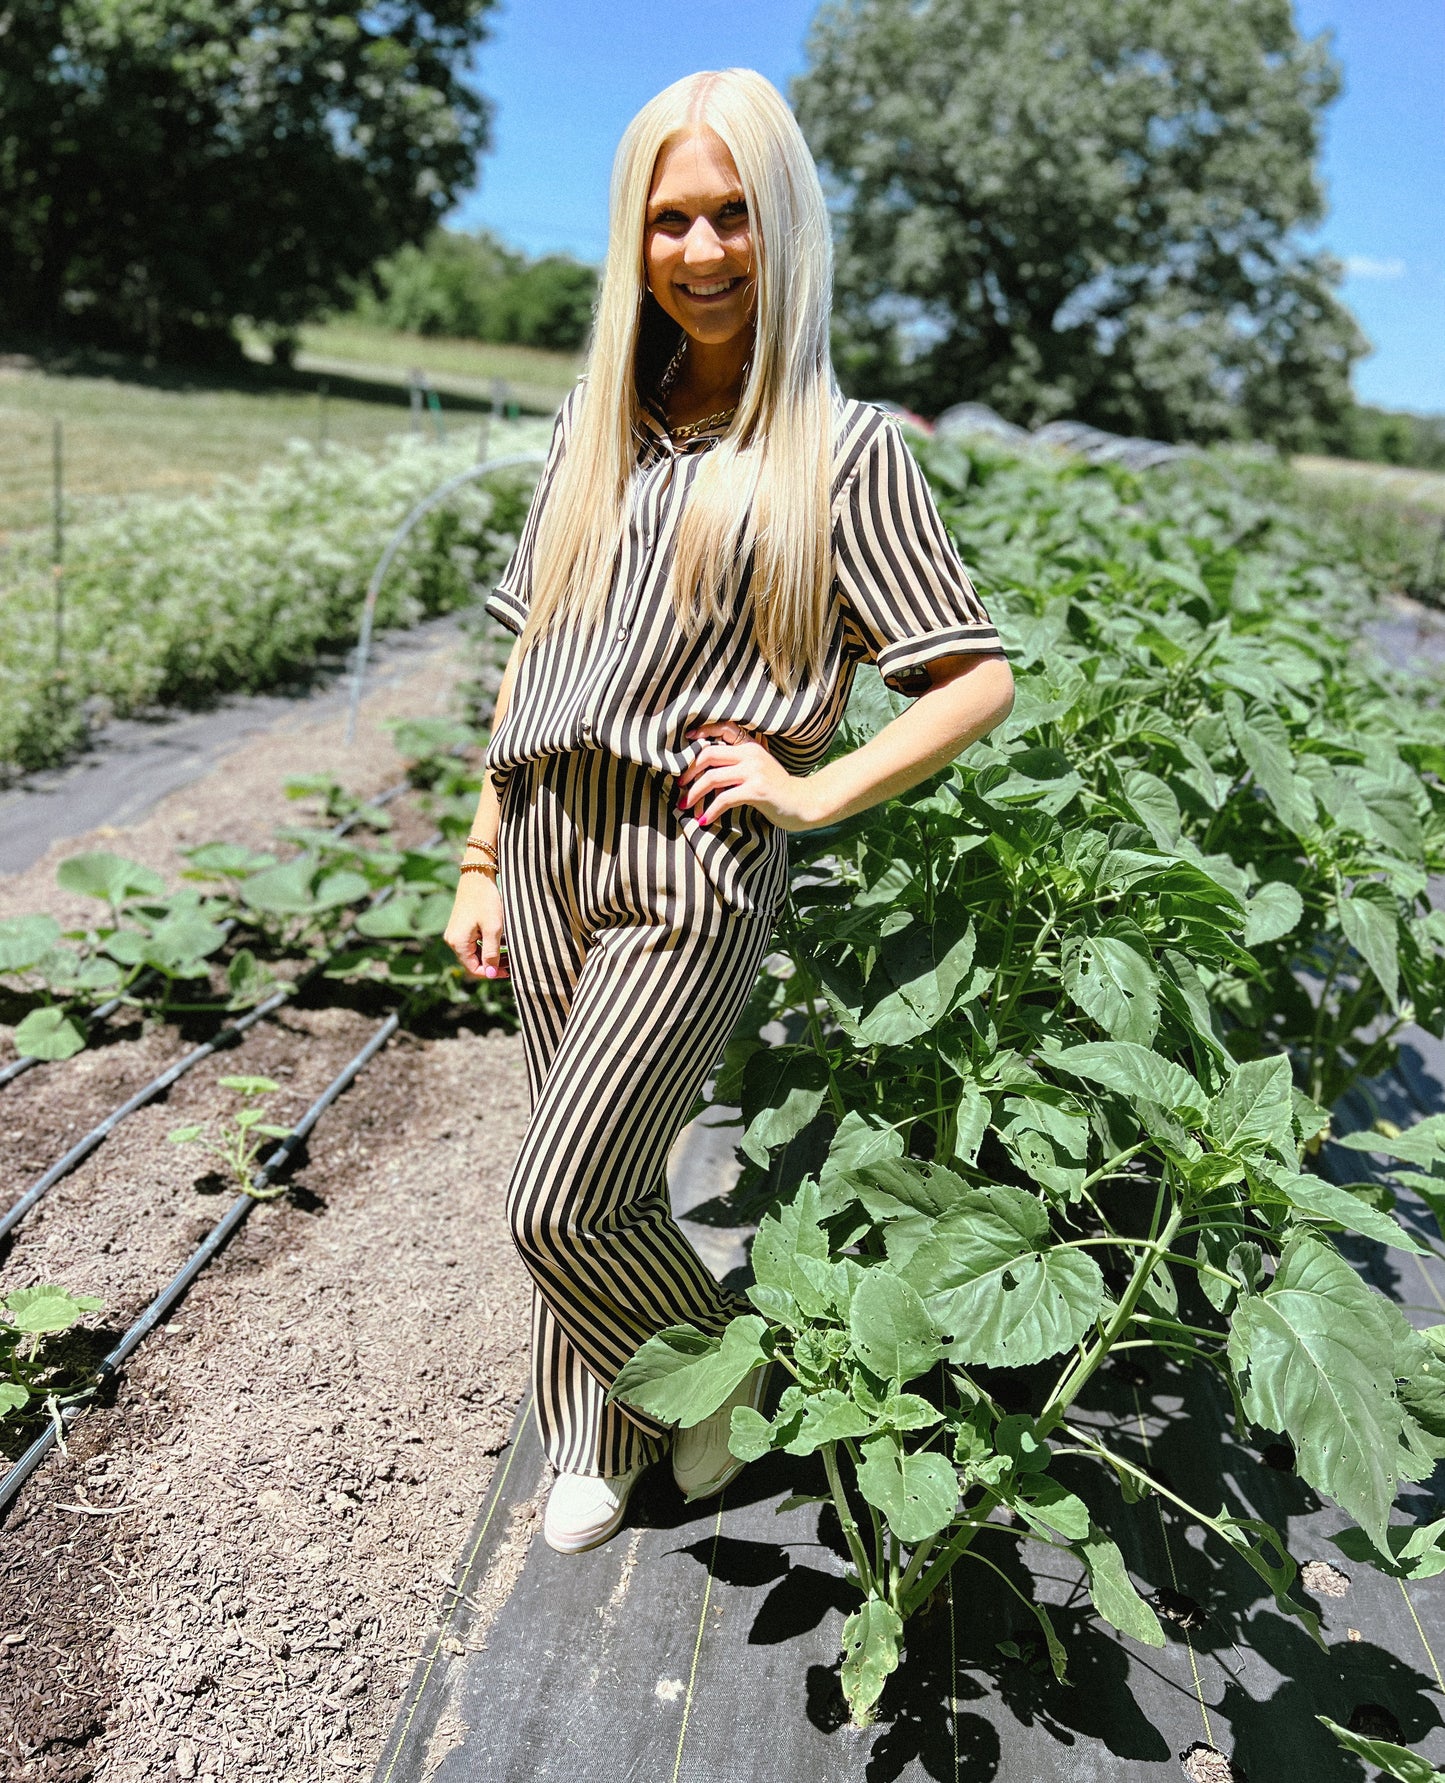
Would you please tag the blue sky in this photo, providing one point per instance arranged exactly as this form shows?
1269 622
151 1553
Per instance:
566 75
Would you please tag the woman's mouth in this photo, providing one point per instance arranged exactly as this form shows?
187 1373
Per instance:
711 289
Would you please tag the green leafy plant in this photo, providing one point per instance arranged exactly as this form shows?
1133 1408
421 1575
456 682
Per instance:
28 1367
170 603
1393 1760
1067 1025
235 1141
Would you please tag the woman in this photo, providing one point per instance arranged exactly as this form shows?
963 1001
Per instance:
717 539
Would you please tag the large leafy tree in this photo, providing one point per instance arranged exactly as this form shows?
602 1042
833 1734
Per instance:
169 165
1088 209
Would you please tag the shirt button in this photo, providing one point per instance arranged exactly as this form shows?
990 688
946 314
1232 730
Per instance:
621 632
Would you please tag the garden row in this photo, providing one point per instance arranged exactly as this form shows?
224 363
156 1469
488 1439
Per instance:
245 934
1071 1019
169 603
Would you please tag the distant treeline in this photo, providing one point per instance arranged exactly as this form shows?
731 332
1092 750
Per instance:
474 287
1386 436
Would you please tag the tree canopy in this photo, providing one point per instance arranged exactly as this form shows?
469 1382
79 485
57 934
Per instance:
1089 209
476 287
169 165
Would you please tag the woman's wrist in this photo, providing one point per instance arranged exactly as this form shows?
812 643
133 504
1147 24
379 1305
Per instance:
818 799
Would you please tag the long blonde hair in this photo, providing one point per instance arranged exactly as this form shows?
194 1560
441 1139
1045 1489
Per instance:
764 488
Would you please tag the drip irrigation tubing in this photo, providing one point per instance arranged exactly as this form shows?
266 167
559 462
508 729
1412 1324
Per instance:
213 1242
17 1067
226 1036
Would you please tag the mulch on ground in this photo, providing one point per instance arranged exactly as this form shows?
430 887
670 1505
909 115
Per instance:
233 1567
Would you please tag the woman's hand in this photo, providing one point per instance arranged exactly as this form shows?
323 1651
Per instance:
733 767
969 695
474 928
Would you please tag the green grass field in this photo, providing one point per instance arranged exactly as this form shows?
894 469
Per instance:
1392 483
130 429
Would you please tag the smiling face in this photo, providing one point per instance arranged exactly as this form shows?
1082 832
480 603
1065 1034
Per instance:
698 239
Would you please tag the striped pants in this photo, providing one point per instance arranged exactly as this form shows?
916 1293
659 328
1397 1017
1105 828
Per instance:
630 965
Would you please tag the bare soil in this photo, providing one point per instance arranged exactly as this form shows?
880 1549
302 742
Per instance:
232 1569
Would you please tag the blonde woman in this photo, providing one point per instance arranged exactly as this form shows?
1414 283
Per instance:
717 539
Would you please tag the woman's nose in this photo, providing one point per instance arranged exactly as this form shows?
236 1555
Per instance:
701 246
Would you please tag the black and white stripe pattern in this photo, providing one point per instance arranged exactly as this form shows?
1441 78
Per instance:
630 970
902 597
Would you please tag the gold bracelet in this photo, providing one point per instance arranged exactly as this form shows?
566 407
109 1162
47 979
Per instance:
477 867
480 842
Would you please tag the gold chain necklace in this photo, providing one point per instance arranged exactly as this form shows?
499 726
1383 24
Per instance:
664 387
695 427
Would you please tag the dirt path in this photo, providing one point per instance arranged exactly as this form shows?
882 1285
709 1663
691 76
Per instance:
232 1570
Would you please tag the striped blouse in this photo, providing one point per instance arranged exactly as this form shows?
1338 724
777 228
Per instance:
901 598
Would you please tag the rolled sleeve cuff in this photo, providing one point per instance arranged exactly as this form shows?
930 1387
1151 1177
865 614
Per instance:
503 605
902 663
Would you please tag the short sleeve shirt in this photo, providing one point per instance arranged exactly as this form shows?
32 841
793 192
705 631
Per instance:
901 597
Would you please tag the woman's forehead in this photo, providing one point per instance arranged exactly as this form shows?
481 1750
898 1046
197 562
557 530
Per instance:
695 165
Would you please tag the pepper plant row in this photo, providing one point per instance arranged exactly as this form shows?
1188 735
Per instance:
1070 1023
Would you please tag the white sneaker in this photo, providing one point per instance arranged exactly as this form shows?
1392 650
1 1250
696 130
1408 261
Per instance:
702 1463
583 1510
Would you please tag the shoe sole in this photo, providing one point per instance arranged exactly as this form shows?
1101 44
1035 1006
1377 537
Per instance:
593 1541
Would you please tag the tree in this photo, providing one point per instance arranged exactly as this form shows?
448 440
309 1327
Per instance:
1087 209
474 286
169 165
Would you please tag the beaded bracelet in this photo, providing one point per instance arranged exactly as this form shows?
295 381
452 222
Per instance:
477 867
481 842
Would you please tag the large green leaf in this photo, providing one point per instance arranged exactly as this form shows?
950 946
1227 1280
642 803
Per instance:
791 1253
1110 978
890 1327
48 1034
1255 1109
870 1654
1372 928
1272 913
917 1493
1155 806
992 1280
859 1142
1327 1201
25 941
914 981
47 1308
783 1088
1263 741
1047 1133
1396 1761
181 942
827 1417
1135 1072
1113 1591
109 876
1312 1358
681 1377
1416 1551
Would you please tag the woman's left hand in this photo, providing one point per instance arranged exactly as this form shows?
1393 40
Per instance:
735 767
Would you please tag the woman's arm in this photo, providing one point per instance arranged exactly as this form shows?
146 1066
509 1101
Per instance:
474 929
969 696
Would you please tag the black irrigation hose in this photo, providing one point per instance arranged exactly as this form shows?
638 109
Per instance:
85 1145
214 1240
17 1067
88 1142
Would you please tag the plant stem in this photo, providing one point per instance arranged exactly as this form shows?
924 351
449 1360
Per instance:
851 1532
1077 1374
